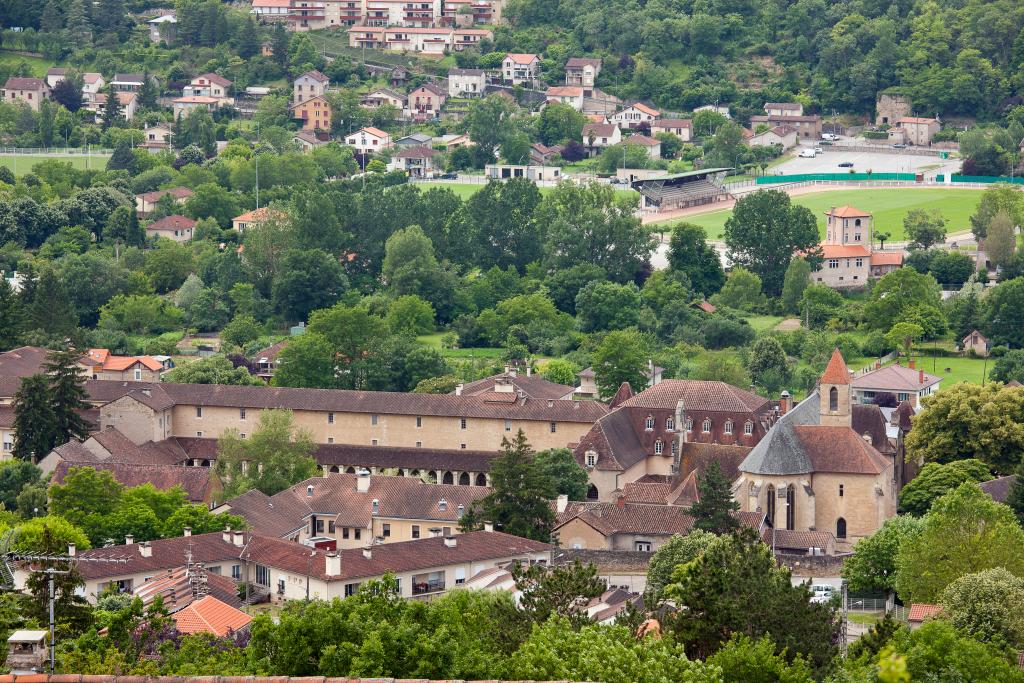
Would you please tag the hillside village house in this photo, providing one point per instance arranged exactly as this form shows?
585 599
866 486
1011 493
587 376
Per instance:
210 85
534 173
92 84
597 136
849 255
183 106
308 85
783 109
520 69
101 364
414 140
651 145
176 228
129 82
891 106
255 217
380 96
157 137
908 384
784 136
55 75
417 162
368 140
583 72
129 105
307 140
31 91
466 82
146 202
163 28
807 127
571 95
918 130
434 41
426 101
976 343
681 128
635 115
314 113
285 570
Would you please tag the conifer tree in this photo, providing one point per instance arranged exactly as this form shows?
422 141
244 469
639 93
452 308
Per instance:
123 159
51 20
1015 498
280 44
714 510
76 24
67 393
34 420
12 316
248 39
112 114
147 93
136 236
51 309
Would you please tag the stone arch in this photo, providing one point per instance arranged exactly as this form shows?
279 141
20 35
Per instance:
833 400
350 470
841 528
464 479
448 478
206 463
592 493
335 469
481 479
790 507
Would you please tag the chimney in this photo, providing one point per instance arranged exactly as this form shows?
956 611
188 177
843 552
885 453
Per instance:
489 527
529 371
367 553
333 564
562 503
239 538
72 549
450 542
620 501
920 376
129 539
187 531
911 363
458 389
363 480
878 365
309 491
783 402
866 437
226 536
145 549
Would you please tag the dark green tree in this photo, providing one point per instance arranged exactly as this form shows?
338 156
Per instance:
67 392
51 309
562 591
123 159
936 480
715 510
148 92
248 39
689 252
1015 498
621 357
564 474
279 44
35 433
12 316
518 503
113 112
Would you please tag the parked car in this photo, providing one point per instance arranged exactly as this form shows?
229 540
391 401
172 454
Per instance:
448 176
845 164
818 150
808 153
899 146
829 136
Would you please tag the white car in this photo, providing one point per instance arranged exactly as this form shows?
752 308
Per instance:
808 153
829 136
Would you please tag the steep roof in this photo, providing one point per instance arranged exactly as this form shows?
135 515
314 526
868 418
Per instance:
210 615
622 394
22 361
836 372
195 481
610 518
999 488
520 58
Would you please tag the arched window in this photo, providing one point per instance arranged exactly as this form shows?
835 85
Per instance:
670 424
334 468
350 470
770 507
689 424
748 428
592 492
840 528
659 447
481 479
728 426
856 223
464 479
649 423
790 507
448 478
706 425
833 400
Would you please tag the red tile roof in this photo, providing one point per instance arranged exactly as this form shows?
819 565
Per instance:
176 192
642 140
896 378
887 258
839 450
601 130
844 251
15 83
697 395
847 211
176 587
532 386
216 79
580 62
519 58
195 481
174 222
921 611
316 76
650 111
210 615
836 372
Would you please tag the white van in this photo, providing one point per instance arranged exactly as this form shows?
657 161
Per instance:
808 153
829 136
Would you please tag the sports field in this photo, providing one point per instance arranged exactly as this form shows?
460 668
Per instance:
888 206
22 163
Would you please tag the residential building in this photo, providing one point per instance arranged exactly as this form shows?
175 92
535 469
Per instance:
183 585
812 472
417 162
718 109
129 102
566 94
308 85
783 109
163 29
354 510
92 84
891 106
464 13
597 136
129 82
520 69
55 75
31 91
466 82
622 569
210 85
414 140
296 15
177 228
651 145
426 101
534 173
910 384
255 217
307 140
101 364
376 98
921 612
542 155
583 72
784 136
918 130
314 113
284 570
643 434
846 249
435 41
146 202
210 615
157 137
681 128
636 115
368 140
807 127
976 343
884 262
588 381
266 361
183 106
452 141
511 381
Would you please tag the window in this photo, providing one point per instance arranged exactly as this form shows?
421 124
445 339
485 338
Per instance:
748 428
199 435
262 576
840 528
728 426
330 439
242 435
902 396
706 425
770 504
138 374
387 531
344 532
689 424
833 263
670 424
419 444
373 419
642 546
462 424
790 507
280 586
554 427
659 447
508 425
833 400
840 490
415 530
419 422
460 575
241 413
591 458
319 526
199 411
330 527
649 423
446 531
373 442
330 418
351 589
236 572
376 506
357 534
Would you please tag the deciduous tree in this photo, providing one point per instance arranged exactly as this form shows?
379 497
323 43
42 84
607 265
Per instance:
936 480
276 453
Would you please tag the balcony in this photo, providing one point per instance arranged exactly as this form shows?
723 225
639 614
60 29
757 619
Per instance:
425 584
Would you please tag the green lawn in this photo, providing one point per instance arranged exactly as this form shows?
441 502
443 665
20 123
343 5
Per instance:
864 618
764 322
22 163
37 65
960 369
434 341
888 206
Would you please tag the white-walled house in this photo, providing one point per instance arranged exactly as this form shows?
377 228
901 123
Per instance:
368 140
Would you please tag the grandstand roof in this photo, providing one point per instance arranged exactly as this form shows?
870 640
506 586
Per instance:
686 174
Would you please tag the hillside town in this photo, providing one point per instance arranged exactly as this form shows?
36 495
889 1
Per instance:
474 340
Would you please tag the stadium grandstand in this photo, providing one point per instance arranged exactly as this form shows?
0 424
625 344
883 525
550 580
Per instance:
682 190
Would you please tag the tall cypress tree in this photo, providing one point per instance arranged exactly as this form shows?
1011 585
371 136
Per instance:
136 235
280 44
67 393
112 115
122 159
12 316
715 509
248 39
51 309
35 433
147 93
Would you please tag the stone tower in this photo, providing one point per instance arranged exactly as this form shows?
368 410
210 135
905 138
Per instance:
834 393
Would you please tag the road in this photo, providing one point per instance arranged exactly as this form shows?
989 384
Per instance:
877 162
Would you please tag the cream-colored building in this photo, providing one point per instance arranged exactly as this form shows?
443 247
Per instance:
813 472
846 249
918 130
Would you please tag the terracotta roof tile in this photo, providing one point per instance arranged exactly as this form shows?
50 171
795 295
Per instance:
210 615
797 540
847 211
844 251
886 258
896 378
15 83
176 192
697 395
195 481
836 372
580 62
921 611
840 450
174 222
176 588
533 386
631 518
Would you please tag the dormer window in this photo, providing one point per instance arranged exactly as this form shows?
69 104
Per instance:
649 424
442 505
462 510
659 447
748 428
670 424
591 458
706 426
376 506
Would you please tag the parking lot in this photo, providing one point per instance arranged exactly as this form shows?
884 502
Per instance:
877 162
